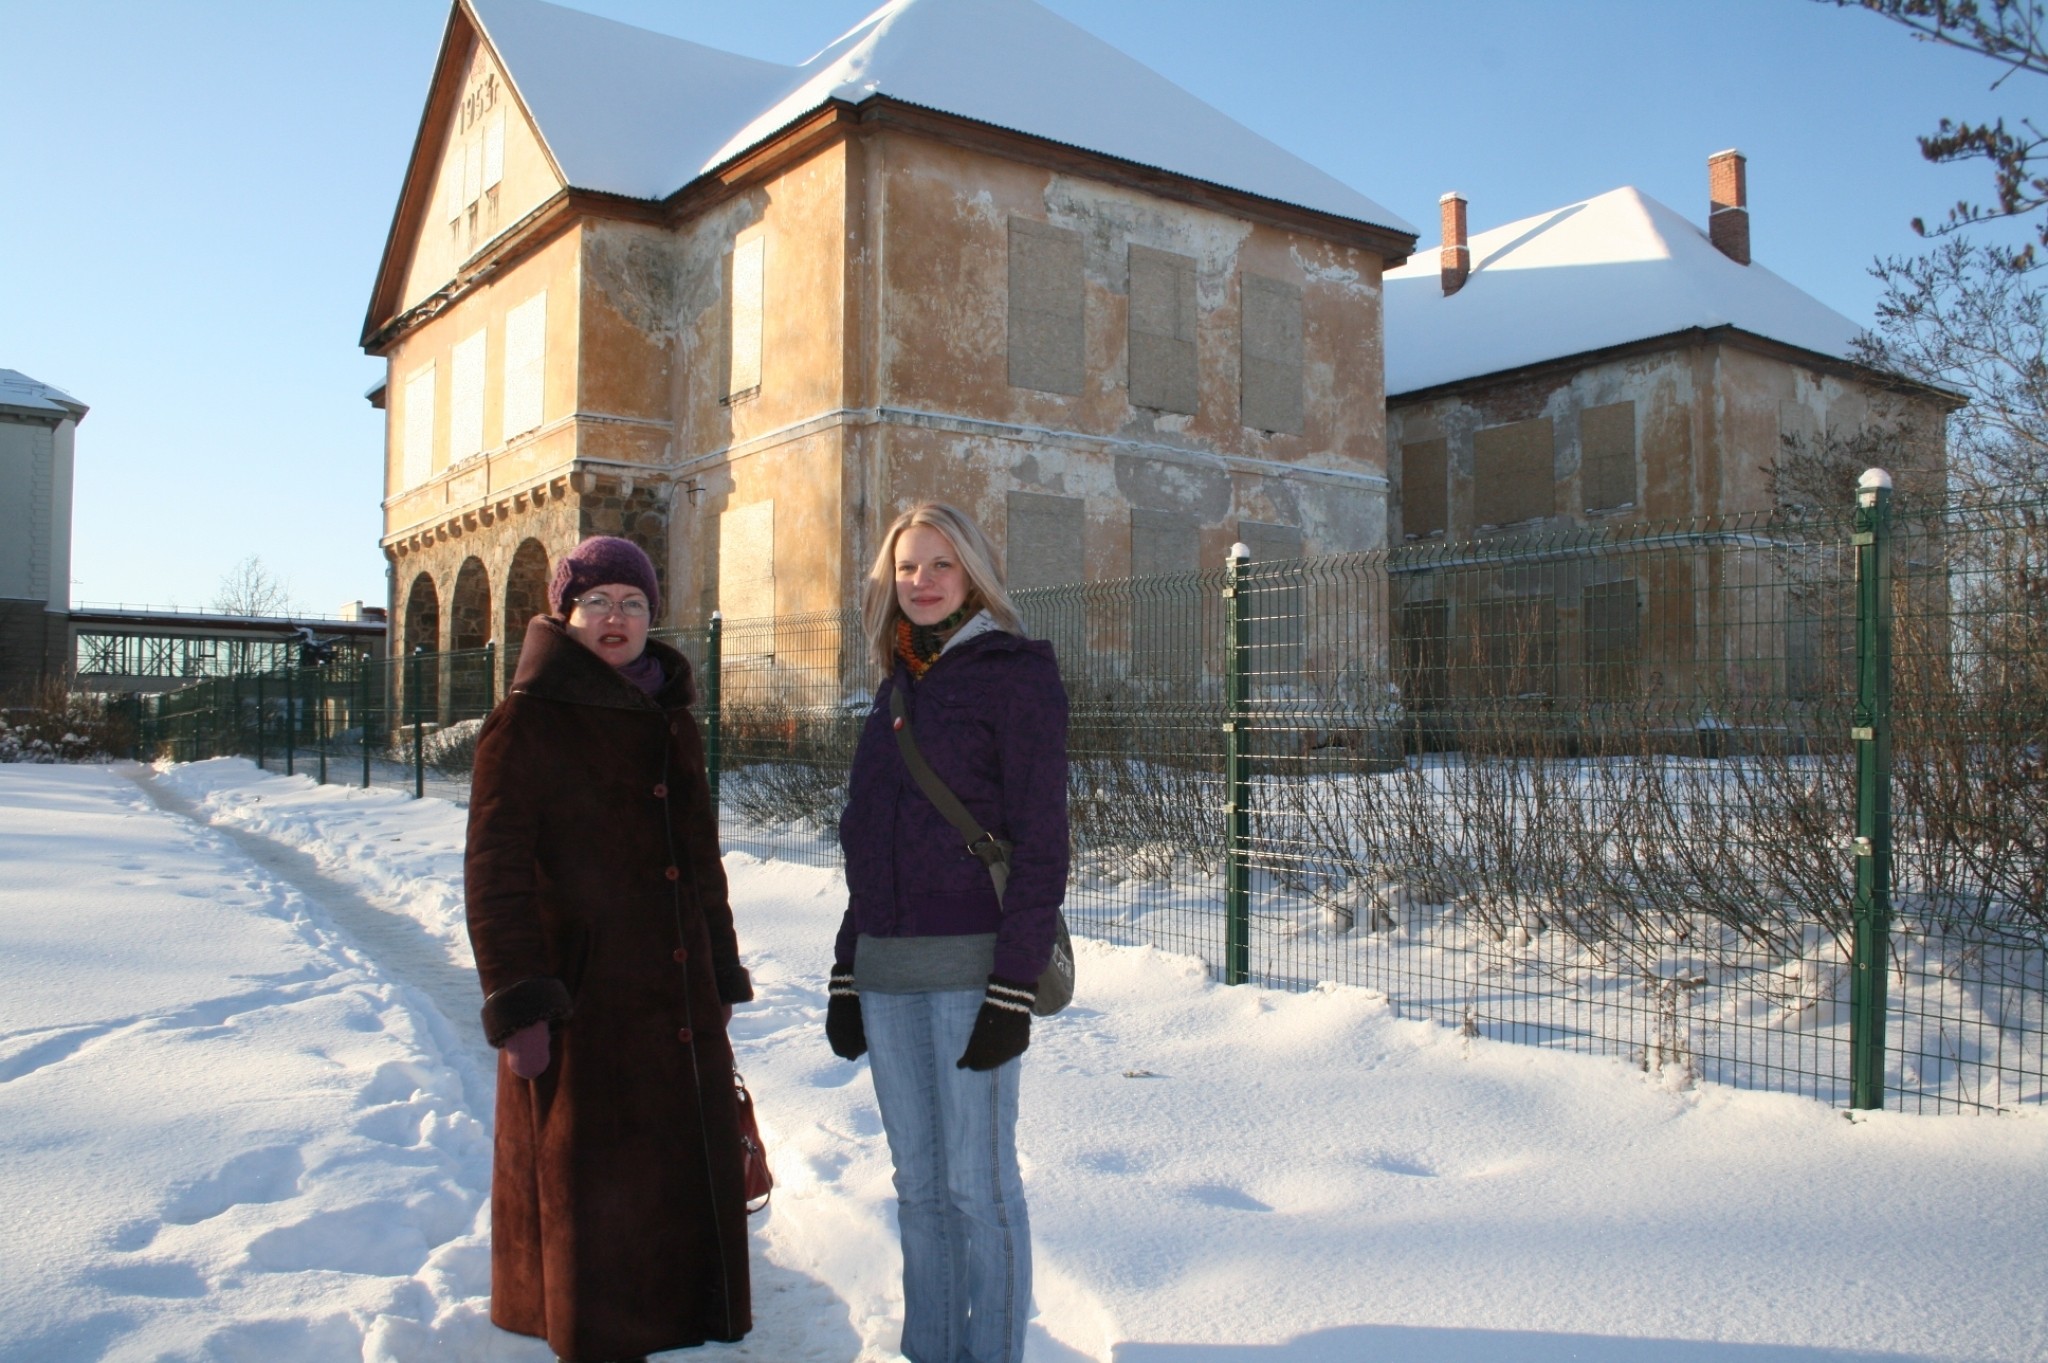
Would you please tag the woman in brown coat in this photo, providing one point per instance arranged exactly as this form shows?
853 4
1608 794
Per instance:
605 946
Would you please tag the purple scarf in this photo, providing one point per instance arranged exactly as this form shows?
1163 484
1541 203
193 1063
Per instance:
644 672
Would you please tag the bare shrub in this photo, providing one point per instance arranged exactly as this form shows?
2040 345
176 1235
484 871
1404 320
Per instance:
786 762
49 722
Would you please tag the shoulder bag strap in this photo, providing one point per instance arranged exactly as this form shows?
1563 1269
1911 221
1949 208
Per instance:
982 843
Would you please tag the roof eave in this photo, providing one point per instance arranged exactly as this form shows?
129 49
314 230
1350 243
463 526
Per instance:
1726 333
804 133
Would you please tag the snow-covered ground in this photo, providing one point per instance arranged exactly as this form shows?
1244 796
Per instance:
244 1114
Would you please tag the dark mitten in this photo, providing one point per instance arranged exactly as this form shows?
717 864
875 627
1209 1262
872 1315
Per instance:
846 1033
527 1049
1002 1029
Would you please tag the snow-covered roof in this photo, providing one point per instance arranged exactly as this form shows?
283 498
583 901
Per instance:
622 109
636 113
1616 268
21 393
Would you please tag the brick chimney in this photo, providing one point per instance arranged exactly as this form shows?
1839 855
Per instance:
1457 256
1728 218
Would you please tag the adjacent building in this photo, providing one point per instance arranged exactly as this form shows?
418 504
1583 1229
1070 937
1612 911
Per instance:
743 313
38 430
1606 363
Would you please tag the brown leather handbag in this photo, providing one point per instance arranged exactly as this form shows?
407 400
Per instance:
754 1155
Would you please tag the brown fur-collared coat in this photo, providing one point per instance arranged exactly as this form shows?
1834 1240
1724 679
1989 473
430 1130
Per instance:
597 903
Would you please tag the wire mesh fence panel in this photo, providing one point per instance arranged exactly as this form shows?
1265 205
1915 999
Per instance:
791 702
1142 666
1594 791
1969 804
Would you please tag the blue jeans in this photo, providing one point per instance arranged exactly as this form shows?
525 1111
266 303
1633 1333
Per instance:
959 1196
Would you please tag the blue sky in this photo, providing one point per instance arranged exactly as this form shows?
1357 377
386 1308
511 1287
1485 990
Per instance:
198 191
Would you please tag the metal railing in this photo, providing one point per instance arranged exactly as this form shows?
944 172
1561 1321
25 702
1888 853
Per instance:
1764 799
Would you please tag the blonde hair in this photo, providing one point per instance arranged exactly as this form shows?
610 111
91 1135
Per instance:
879 609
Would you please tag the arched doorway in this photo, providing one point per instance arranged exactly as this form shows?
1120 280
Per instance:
469 683
422 631
526 595
469 613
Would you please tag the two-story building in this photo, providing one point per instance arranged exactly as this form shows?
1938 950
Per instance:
743 313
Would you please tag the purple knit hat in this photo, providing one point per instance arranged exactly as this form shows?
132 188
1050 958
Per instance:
600 560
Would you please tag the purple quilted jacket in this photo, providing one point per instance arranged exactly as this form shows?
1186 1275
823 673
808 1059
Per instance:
991 718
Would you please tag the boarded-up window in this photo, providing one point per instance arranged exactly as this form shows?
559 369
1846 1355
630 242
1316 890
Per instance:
1270 342
466 398
1513 473
1162 331
419 426
1044 550
451 180
1164 542
746 562
1607 456
472 171
1425 652
1424 498
1509 646
1820 641
1610 621
1166 621
526 341
1270 542
494 150
1273 599
749 261
1044 540
1047 346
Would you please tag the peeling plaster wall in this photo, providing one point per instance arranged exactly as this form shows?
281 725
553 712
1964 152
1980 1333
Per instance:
960 430
1710 422
781 441
504 464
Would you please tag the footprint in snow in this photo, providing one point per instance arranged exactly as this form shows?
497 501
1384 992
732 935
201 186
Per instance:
1227 1198
268 1174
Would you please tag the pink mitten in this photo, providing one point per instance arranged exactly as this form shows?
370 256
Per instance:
527 1049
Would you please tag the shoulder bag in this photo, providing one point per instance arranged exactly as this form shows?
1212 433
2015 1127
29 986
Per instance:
1056 985
753 1154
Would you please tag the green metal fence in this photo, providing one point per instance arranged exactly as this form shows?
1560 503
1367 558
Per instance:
1763 799
409 723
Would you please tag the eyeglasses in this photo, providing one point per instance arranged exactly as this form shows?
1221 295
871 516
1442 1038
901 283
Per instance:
599 605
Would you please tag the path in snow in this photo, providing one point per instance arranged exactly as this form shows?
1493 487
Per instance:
402 946
797 1318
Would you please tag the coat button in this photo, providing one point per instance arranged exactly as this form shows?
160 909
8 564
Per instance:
681 954
672 873
661 792
683 1035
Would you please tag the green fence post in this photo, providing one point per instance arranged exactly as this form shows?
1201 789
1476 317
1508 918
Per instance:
363 717
419 749
713 652
1873 737
291 722
259 721
320 718
1237 873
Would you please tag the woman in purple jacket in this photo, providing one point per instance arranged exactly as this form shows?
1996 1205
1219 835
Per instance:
933 976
